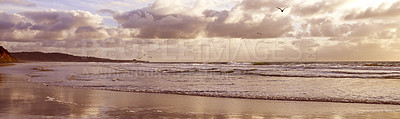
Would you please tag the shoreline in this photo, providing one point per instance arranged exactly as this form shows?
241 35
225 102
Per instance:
20 98
256 98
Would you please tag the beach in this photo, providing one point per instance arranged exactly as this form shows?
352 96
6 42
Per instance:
206 59
20 98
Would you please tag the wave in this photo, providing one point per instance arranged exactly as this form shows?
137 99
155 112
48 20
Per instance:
223 94
266 72
327 76
323 82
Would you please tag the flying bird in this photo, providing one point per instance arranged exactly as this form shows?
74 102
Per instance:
145 55
259 33
142 56
281 9
45 84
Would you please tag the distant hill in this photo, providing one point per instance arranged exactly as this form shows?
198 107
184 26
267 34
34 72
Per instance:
5 56
60 57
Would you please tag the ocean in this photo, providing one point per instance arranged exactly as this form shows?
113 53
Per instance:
347 82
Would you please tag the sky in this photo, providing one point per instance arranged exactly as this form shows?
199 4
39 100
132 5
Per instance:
205 30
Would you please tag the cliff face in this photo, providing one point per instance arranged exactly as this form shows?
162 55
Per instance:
5 56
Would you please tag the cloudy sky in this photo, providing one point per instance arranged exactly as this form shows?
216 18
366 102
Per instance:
205 30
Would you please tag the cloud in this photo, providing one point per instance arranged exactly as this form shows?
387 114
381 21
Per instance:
5 25
319 7
377 31
248 18
345 51
57 25
172 19
18 2
43 25
326 27
336 25
154 25
106 11
269 27
265 5
165 19
383 11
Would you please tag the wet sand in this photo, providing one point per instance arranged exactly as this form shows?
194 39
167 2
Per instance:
20 99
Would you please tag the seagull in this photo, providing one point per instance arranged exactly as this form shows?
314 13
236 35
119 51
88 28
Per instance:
145 55
116 79
142 56
259 33
45 84
281 9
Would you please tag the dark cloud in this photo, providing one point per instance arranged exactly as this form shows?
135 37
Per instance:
65 22
106 11
38 27
153 25
89 32
85 29
23 25
5 25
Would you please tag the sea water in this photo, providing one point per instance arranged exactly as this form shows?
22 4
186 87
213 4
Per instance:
354 82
